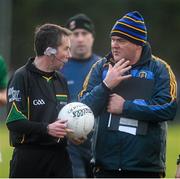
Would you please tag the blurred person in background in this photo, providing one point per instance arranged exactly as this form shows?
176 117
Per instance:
36 93
3 85
75 71
178 168
3 81
133 95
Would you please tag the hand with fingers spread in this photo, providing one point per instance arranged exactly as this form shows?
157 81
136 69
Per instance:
115 104
115 74
58 128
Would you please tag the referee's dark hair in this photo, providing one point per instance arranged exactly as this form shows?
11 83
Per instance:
48 35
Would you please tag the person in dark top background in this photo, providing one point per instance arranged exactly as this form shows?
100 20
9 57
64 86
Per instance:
75 71
178 168
36 93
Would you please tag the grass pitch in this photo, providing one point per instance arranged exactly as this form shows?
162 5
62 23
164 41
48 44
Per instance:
173 150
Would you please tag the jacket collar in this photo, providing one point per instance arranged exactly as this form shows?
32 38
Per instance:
146 55
31 67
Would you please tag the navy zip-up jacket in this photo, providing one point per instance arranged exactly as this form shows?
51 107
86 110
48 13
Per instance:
142 148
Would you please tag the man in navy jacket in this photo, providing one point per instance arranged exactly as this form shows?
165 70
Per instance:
75 71
133 94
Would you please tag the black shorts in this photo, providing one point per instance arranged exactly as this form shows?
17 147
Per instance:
40 163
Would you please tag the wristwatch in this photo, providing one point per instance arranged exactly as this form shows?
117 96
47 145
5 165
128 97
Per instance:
178 160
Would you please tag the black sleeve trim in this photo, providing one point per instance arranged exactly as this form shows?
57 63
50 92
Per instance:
28 127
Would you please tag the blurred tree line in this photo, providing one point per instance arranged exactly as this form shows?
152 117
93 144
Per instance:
162 18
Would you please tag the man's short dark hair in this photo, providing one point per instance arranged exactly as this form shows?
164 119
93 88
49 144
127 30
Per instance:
48 35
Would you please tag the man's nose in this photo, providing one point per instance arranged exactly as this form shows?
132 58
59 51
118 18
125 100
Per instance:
114 44
80 37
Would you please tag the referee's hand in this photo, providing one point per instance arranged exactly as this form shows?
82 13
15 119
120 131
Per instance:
58 129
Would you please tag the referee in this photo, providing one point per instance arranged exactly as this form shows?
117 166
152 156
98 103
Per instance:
36 93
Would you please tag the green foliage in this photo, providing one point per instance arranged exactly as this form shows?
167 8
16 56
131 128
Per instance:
173 149
161 18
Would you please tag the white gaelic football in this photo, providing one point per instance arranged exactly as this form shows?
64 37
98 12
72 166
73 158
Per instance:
80 119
